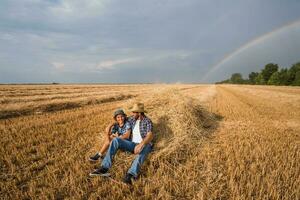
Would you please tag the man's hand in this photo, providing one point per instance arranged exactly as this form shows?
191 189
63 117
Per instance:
138 148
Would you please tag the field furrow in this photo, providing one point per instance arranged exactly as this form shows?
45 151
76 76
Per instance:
255 152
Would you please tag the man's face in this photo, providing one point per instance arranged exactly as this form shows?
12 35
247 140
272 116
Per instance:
136 115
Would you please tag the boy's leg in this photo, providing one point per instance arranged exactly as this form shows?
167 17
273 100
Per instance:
103 149
105 146
116 143
139 159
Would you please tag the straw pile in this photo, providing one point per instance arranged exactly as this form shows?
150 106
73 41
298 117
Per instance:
181 125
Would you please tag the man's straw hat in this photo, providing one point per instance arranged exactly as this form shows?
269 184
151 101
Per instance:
138 107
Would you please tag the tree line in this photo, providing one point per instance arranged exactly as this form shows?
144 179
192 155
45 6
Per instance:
269 75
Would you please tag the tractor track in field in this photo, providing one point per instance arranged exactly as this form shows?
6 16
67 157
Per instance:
257 137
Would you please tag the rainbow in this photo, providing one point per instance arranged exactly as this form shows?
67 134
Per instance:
248 45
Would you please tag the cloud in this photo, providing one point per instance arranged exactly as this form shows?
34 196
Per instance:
58 65
6 36
84 38
110 64
72 8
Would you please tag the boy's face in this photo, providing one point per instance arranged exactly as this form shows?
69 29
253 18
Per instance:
120 119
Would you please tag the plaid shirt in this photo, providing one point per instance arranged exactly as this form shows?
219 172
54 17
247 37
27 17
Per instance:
145 125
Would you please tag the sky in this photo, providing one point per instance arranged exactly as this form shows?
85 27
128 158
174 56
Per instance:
137 41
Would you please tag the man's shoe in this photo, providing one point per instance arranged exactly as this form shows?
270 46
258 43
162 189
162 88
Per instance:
100 172
95 157
128 179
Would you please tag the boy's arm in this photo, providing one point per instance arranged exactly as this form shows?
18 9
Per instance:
126 135
128 129
109 128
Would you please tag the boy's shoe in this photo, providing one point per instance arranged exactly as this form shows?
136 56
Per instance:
128 179
96 157
100 172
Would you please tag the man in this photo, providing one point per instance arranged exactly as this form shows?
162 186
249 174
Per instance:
140 145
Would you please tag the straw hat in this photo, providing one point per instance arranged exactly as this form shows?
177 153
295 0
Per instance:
138 107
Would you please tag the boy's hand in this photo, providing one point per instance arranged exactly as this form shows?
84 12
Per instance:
114 135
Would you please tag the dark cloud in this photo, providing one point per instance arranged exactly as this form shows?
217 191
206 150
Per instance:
136 41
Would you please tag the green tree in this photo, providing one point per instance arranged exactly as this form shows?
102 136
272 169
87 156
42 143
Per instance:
283 76
268 71
292 73
274 79
252 76
224 81
236 78
259 80
269 75
297 79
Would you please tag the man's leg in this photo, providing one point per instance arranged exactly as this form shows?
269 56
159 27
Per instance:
139 159
116 143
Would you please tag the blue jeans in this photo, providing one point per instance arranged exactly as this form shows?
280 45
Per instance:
126 145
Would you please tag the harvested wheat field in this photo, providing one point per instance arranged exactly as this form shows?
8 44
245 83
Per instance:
211 141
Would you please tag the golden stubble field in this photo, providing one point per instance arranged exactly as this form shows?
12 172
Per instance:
212 141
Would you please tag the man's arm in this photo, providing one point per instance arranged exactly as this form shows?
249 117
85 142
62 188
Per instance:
148 138
138 148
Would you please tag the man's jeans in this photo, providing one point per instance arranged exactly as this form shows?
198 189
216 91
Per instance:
118 143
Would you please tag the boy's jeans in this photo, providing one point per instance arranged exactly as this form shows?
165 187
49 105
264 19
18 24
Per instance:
118 143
